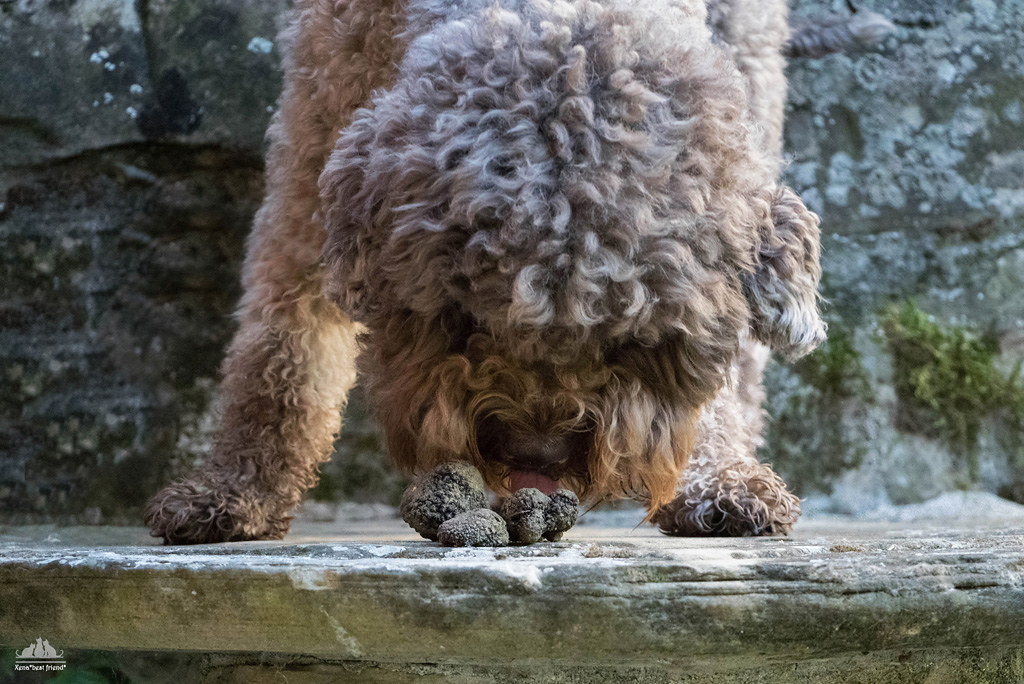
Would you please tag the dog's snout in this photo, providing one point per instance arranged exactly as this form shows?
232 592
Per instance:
529 450
539 451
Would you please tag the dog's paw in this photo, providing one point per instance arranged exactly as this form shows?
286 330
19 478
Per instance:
193 512
739 503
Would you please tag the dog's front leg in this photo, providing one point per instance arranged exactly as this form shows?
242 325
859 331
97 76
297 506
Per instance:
285 381
292 362
725 490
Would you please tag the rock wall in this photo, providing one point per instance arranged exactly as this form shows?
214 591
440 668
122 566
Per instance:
131 141
131 145
130 167
913 154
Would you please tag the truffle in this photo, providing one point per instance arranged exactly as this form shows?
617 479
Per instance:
441 494
531 515
480 527
449 505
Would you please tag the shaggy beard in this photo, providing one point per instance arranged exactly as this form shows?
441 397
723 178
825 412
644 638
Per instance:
637 422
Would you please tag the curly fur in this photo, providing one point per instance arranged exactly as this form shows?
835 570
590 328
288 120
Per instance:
783 290
556 217
725 490
292 362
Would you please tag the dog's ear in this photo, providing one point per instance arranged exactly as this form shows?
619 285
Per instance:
782 290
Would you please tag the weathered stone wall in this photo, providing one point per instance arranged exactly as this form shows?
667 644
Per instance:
130 167
131 138
131 141
914 156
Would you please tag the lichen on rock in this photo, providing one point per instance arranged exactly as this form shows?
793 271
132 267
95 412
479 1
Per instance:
912 155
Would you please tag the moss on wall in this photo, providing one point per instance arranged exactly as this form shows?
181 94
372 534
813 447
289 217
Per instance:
947 382
836 369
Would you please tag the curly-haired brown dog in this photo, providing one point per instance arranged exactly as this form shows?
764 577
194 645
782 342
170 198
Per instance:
555 243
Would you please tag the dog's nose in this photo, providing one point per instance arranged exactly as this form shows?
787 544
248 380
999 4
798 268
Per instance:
539 451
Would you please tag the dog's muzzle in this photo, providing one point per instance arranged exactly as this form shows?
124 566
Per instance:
538 452
536 459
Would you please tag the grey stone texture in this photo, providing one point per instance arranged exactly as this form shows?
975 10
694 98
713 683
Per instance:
913 154
131 141
838 602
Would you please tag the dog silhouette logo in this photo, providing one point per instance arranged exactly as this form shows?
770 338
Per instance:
39 656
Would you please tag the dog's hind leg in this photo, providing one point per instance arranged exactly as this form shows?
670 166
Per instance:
725 491
292 361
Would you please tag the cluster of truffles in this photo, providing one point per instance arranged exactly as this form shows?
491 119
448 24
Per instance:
449 505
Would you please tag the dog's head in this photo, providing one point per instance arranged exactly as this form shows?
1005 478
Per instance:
583 184
617 426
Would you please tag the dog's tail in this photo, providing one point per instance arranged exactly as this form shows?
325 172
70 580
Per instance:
824 36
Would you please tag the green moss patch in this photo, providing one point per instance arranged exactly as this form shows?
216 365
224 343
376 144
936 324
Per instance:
947 382
836 369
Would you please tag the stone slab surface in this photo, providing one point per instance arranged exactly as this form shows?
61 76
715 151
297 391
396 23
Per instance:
368 599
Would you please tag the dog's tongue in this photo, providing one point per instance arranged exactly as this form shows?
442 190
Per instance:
521 479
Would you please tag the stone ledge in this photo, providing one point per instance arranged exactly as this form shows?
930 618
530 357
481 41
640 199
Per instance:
608 601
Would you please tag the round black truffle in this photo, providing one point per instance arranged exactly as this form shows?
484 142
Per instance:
560 514
524 513
480 527
532 516
440 495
